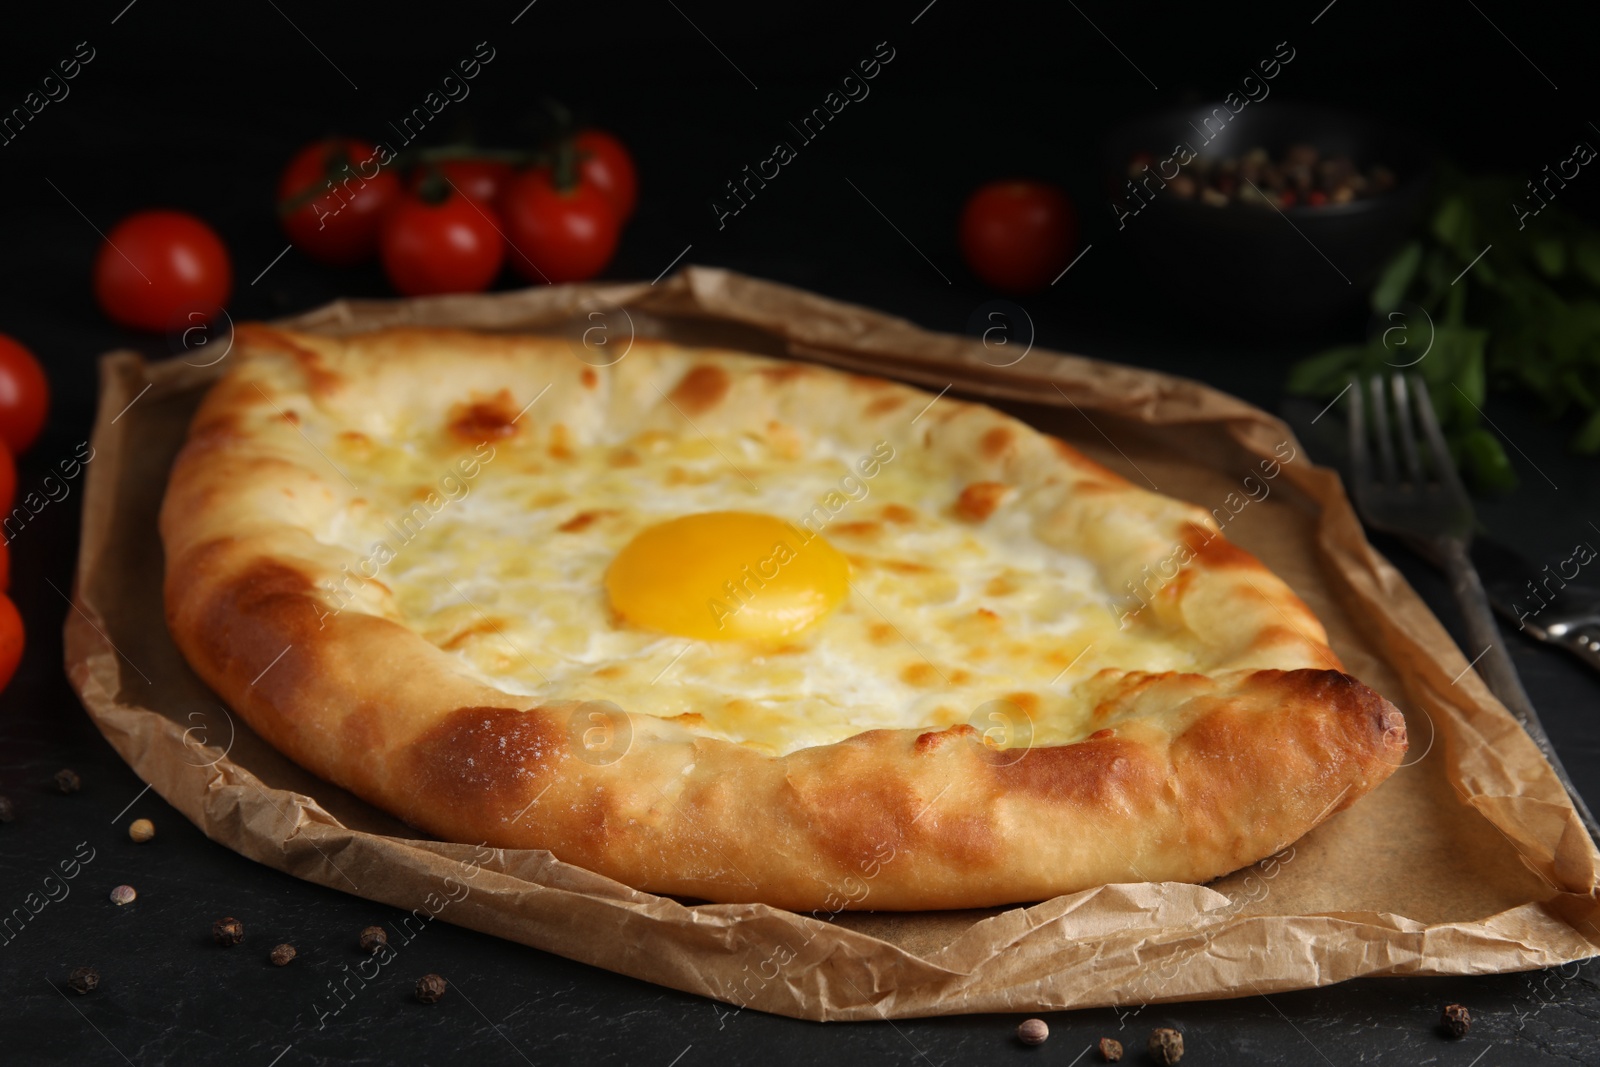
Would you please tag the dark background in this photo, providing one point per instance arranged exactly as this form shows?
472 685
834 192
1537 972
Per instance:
198 106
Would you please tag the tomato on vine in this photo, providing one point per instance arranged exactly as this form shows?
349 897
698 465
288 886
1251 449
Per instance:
558 231
24 396
439 240
332 198
604 162
11 640
478 179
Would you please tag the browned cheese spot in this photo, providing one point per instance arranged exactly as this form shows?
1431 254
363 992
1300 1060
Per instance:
480 628
1000 586
1028 702
485 419
996 443
560 442
585 519
701 389
980 499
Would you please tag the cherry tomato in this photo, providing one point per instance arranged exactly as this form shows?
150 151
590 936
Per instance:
557 235
480 179
24 396
604 163
332 198
157 266
1018 235
449 246
10 640
8 485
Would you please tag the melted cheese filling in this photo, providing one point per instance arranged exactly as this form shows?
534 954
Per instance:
505 568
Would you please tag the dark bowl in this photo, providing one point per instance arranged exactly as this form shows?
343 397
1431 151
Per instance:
1248 266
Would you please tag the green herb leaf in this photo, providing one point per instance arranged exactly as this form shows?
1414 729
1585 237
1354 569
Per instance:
1551 255
1485 461
1587 440
1396 278
1327 372
1586 258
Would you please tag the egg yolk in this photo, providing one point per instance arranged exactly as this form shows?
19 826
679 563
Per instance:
727 576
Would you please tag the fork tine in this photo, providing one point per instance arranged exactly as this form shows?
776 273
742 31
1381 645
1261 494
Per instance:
1438 451
1408 431
1380 423
1360 459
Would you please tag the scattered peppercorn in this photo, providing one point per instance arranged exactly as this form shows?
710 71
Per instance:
67 780
282 955
1110 1049
83 980
1033 1032
227 932
1166 1046
430 988
7 812
141 830
373 938
1457 1020
123 894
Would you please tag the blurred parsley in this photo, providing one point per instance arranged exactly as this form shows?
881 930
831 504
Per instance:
1527 315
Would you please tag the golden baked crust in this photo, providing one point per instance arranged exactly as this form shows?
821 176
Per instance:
1241 735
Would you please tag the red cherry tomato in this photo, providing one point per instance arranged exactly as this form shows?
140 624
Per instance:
452 246
156 267
8 484
10 640
480 179
557 235
1018 235
24 396
604 163
332 198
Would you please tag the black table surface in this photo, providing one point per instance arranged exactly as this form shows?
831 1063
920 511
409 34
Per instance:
196 107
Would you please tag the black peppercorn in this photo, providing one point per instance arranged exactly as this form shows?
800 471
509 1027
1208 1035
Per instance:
227 932
7 812
430 987
1457 1020
83 980
67 780
1166 1046
1033 1032
373 938
1110 1049
282 955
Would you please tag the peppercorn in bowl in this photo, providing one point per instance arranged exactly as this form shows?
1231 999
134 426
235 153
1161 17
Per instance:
1264 215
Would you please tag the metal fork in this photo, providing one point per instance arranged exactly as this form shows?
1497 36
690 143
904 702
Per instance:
1436 511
